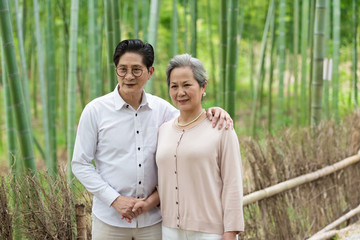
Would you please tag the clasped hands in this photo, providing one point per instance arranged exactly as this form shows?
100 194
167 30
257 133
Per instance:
130 207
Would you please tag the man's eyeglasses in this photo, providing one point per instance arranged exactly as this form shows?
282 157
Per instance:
122 71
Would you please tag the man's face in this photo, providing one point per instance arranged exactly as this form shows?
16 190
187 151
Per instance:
131 83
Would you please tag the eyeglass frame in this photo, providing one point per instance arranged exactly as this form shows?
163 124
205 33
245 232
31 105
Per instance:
132 71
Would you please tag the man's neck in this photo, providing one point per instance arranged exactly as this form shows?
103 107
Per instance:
133 100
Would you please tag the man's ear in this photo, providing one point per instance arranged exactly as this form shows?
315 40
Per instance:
151 70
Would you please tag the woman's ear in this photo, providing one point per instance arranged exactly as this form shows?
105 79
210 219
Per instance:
204 87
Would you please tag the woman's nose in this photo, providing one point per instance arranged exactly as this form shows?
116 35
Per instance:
181 91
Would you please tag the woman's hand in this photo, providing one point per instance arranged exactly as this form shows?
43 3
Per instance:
218 116
141 206
229 236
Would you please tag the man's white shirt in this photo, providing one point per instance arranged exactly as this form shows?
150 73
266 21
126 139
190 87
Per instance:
122 142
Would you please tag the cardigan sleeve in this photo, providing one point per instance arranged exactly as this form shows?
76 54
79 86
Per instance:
231 174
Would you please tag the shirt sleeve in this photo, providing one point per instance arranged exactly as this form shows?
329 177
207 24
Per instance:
84 153
232 194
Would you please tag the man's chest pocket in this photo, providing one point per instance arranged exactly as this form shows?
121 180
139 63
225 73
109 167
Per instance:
150 139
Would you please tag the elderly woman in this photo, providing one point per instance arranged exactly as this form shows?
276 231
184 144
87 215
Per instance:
199 167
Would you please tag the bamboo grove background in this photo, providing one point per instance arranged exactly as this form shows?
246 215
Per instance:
279 67
265 60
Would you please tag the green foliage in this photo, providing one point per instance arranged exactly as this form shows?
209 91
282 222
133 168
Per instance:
253 29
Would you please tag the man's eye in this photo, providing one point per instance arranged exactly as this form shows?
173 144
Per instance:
137 69
122 69
173 86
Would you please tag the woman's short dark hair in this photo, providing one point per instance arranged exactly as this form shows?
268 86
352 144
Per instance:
135 46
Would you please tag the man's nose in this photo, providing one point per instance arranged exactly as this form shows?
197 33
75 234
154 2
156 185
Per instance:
129 75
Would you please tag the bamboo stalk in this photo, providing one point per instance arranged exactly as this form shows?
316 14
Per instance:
92 50
304 46
9 119
270 15
43 83
174 28
295 182
144 18
17 97
136 19
212 55
336 58
231 58
22 57
354 52
186 44
152 35
80 221
117 24
337 222
311 46
271 72
51 86
71 99
193 27
295 60
223 47
318 62
110 36
282 59
326 55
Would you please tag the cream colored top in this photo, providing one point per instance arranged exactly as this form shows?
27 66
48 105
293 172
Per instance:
199 177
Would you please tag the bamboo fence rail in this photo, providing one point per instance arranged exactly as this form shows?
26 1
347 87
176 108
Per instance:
337 222
295 182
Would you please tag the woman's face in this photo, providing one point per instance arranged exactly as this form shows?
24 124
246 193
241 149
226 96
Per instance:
185 91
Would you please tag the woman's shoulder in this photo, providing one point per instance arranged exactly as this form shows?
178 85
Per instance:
167 125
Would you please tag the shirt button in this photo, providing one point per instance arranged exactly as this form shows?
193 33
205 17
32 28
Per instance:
127 106
175 172
138 148
139 165
135 114
178 217
178 225
139 182
176 188
177 203
137 132
174 155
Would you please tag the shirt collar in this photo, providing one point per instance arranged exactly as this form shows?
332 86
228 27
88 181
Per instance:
120 103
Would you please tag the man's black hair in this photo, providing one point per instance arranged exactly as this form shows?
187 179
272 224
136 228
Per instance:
135 46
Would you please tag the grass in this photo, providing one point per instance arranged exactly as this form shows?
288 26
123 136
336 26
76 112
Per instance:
302 211
40 207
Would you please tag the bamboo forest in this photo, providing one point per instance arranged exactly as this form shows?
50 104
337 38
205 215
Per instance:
286 71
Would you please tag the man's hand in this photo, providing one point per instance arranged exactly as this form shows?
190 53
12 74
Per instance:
140 207
124 205
218 116
229 236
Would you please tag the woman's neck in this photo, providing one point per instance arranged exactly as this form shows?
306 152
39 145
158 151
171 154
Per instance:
189 118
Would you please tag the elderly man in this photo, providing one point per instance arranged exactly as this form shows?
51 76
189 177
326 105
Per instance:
119 132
